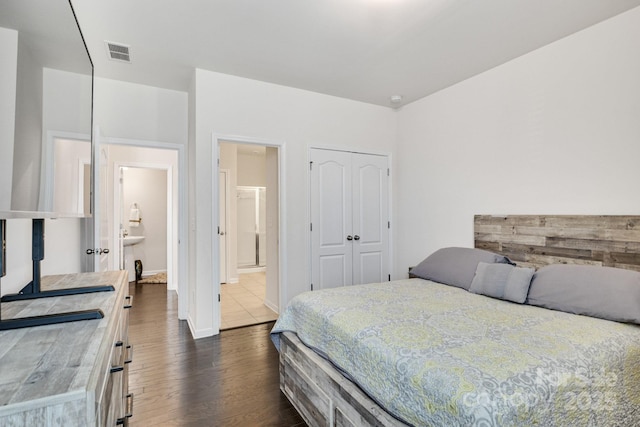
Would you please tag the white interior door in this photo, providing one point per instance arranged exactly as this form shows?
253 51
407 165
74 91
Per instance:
350 218
101 203
222 230
370 218
331 219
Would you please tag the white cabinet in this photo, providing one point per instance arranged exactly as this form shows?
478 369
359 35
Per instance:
349 218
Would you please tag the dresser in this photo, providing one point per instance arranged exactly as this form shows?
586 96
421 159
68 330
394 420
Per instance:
68 374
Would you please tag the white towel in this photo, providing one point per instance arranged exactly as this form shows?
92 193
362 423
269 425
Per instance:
134 217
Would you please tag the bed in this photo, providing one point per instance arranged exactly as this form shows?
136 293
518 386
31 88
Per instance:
459 350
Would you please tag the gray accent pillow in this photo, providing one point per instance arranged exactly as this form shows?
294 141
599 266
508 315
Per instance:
455 266
604 292
503 281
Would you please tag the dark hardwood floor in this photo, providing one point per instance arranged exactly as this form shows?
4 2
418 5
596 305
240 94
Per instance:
228 380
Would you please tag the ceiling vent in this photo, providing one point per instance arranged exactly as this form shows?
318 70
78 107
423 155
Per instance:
118 52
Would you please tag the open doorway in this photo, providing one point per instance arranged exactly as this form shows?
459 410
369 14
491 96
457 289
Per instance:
165 183
248 233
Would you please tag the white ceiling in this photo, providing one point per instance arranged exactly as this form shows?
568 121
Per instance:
366 50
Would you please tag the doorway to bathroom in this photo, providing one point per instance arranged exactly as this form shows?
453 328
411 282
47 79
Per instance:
157 170
248 231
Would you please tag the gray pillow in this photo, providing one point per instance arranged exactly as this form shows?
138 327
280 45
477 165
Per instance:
604 292
455 266
502 281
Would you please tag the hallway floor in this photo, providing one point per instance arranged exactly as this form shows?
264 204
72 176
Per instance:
229 380
242 303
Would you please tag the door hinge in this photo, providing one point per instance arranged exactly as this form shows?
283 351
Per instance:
218 230
312 286
388 224
311 165
218 162
388 172
389 277
311 227
218 297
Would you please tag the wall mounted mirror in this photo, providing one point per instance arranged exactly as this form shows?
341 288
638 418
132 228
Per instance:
46 95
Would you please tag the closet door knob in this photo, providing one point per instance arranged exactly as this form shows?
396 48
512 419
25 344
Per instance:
356 237
349 237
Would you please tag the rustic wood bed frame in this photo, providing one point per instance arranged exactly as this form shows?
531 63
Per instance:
325 397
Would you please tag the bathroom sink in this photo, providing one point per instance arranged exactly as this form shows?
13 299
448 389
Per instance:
132 240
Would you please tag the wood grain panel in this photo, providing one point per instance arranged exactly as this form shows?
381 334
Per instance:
539 240
303 374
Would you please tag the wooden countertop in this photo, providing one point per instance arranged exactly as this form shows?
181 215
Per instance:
62 362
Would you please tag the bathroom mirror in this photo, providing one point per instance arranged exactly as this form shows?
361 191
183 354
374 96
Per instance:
46 94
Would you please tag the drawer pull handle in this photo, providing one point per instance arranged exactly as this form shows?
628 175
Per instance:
115 369
129 411
129 303
129 357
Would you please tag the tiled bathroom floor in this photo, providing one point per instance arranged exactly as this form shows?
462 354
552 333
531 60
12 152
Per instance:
242 303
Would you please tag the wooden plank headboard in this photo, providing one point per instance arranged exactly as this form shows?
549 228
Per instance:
538 240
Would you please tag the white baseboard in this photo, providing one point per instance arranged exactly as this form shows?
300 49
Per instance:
272 306
202 333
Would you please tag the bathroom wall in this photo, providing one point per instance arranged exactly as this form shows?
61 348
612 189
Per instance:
147 188
251 166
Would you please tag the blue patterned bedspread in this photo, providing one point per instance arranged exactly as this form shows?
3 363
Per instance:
435 355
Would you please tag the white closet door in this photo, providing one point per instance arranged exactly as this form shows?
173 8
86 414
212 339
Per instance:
331 217
349 217
370 218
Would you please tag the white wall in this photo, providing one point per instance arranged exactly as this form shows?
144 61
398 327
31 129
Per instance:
133 111
192 305
70 158
556 131
28 131
8 70
65 98
63 251
228 105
